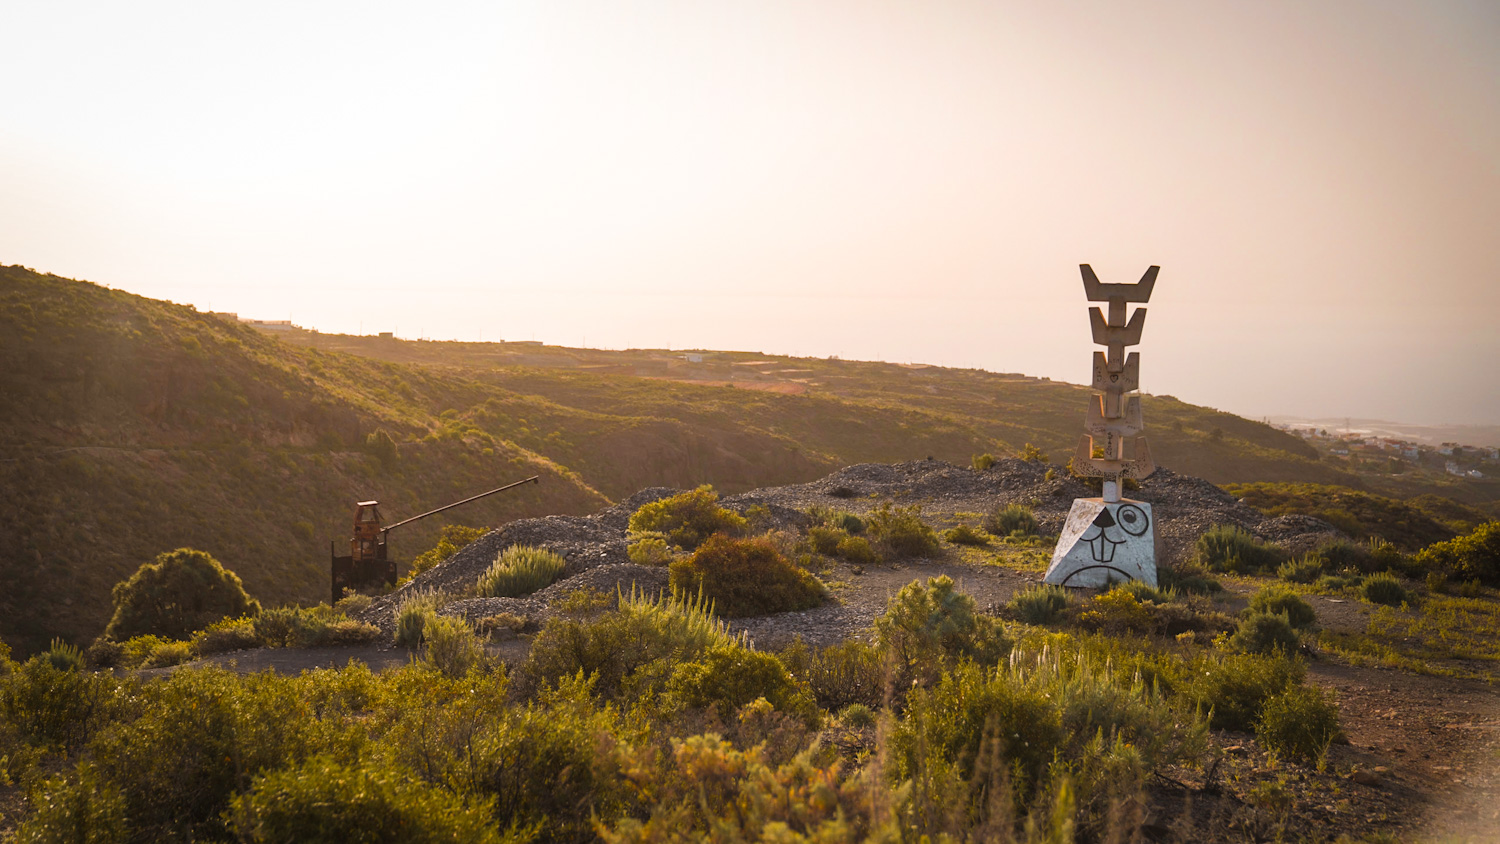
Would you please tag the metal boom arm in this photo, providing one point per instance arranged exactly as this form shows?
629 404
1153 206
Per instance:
532 479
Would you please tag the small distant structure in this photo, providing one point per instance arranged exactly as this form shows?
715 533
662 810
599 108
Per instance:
387 335
692 357
269 324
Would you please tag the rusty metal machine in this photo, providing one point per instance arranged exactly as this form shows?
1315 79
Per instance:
369 563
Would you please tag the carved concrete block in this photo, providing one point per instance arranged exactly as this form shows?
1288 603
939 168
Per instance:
1105 541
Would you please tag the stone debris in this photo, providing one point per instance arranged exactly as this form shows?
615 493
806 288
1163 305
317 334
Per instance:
595 545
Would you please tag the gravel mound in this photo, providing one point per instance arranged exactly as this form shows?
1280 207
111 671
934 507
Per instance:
595 545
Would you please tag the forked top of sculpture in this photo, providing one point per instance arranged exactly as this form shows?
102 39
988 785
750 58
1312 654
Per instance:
1113 419
1097 291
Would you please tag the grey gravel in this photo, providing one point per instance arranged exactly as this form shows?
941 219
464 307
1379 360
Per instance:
595 545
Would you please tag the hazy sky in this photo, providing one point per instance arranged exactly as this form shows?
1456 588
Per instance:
1319 181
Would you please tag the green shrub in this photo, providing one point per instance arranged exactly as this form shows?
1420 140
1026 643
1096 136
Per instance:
928 626
1383 588
825 540
849 523
1010 520
1054 720
200 736
322 800
520 570
353 603
80 810
745 577
1474 556
179 592
1343 555
653 634
56 708
981 462
451 646
1231 548
848 673
1116 612
64 657
553 766
965 535
450 542
102 653
1337 582
728 676
230 634
1236 686
1041 604
1032 454
857 716
290 627
1144 592
688 519
1264 633
901 531
347 632
1299 723
649 549
857 549
169 654
1305 569
1190 579
412 617
1281 600
138 649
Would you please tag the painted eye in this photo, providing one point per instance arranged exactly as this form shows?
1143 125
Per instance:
1132 519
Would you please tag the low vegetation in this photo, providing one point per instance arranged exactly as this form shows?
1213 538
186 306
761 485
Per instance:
900 532
520 570
1230 548
744 577
688 519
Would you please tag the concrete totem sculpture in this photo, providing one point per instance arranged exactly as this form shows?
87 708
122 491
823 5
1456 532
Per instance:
1111 538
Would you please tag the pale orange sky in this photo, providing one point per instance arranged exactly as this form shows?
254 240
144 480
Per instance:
1320 182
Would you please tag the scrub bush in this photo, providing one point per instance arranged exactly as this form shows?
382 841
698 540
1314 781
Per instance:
452 647
322 800
857 549
1232 549
730 676
926 627
1383 588
745 577
1011 519
179 592
1236 686
412 617
965 535
632 649
1299 723
901 532
688 519
1266 632
649 549
1281 600
520 570
1039 605
982 462
1301 570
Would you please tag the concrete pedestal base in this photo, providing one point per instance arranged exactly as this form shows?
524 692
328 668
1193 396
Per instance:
1105 541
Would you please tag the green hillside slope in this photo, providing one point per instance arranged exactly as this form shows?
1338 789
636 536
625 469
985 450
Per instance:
132 426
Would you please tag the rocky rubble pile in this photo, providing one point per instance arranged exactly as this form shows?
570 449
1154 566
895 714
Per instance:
595 545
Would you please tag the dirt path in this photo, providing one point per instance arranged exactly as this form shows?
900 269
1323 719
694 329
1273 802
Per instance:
1437 737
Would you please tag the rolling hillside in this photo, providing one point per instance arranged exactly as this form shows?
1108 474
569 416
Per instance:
132 426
